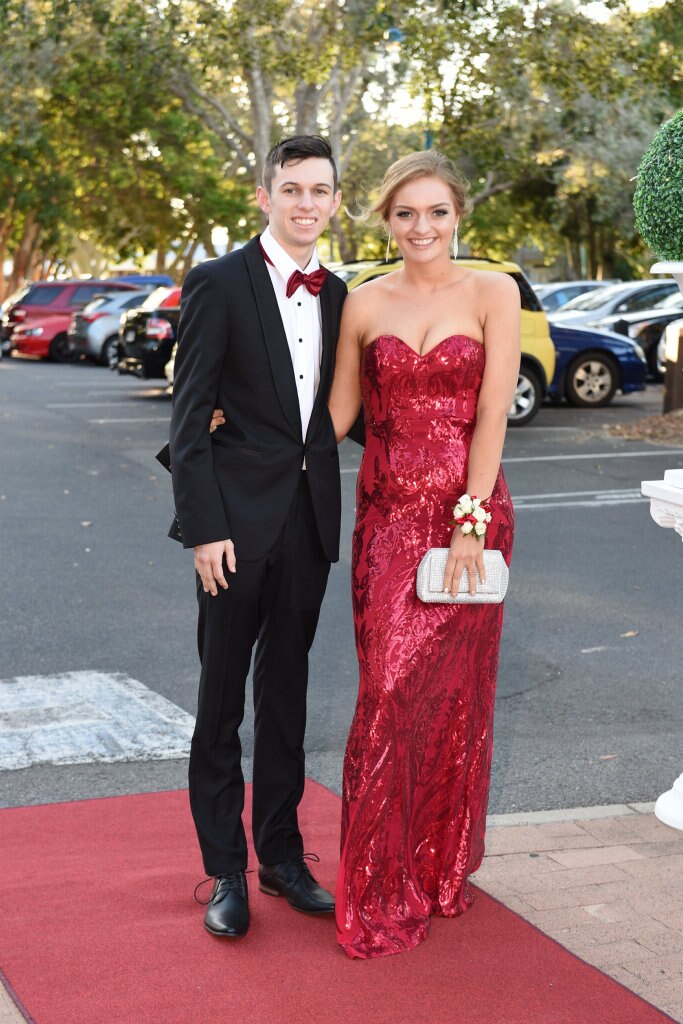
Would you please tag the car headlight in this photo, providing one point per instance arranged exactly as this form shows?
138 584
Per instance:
32 332
640 353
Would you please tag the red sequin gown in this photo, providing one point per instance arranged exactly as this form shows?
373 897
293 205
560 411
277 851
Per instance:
417 764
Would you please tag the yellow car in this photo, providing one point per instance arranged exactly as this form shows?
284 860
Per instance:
538 353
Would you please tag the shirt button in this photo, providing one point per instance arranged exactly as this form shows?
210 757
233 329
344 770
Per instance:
300 340
301 376
298 303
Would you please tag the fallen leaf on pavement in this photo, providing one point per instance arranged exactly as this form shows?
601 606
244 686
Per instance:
631 632
607 757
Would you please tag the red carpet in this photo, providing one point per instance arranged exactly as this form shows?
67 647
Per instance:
98 926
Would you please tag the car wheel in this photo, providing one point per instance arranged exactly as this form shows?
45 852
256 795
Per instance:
109 356
527 400
61 350
591 380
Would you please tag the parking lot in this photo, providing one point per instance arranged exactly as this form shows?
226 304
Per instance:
588 709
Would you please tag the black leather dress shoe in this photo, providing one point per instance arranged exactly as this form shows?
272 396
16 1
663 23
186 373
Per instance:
227 914
293 880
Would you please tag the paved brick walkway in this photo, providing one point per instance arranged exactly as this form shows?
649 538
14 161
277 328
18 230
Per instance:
609 888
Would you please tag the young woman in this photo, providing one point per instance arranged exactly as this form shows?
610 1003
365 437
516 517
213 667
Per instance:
432 353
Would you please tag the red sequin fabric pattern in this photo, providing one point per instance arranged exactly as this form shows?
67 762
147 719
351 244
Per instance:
418 758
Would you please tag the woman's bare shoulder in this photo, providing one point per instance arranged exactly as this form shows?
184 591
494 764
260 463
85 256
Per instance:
496 284
368 295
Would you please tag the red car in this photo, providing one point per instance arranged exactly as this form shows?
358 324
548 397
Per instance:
48 299
46 337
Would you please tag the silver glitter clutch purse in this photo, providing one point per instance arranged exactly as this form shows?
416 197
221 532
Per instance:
430 573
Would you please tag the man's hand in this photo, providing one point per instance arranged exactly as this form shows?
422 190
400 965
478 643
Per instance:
208 561
217 420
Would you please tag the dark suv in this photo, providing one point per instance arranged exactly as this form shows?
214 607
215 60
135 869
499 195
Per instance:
147 334
46 298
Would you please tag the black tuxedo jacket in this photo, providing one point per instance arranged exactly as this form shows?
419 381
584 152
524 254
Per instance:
239 482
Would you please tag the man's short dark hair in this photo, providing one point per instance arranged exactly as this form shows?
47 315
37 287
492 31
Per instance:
294 150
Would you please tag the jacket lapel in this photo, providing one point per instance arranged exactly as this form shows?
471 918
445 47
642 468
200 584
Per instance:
274 334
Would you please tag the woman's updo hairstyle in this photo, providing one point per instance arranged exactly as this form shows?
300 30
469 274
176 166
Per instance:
425 164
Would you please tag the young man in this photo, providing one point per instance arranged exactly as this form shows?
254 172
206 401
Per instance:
259 501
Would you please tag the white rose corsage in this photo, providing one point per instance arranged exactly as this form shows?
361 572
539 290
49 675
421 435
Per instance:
472 515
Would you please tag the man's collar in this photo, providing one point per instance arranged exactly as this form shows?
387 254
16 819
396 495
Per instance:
282 261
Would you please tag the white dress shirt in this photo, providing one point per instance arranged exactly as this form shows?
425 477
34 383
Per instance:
301 320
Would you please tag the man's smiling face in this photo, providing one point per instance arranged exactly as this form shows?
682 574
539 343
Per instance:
299 205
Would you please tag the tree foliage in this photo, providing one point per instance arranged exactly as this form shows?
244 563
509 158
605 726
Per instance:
139 126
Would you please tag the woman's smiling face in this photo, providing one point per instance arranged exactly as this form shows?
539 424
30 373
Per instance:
423 218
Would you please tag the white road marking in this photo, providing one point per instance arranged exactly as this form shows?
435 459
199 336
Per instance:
577 494
115 382
134 419
83 405
577 499
81 717
595 503
594 455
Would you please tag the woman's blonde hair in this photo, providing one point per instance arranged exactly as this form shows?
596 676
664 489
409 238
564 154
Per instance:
424 164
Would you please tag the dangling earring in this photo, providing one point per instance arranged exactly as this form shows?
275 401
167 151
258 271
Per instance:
455 242
386 257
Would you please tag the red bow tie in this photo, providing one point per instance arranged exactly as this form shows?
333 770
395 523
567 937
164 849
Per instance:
311 282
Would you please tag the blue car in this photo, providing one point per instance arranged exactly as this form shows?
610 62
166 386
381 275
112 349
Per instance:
592 365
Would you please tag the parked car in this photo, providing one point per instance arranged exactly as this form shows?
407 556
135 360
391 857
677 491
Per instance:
593 308
593 365
169 369
94 332
52 298
146 334
538 355
672 339
557 294
44 337
647 326
11 300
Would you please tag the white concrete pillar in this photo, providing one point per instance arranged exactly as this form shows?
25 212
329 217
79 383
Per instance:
666 508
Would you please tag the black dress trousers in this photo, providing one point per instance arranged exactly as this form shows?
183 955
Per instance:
273 602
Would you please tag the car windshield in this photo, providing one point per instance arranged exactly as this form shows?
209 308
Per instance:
155 298
596 297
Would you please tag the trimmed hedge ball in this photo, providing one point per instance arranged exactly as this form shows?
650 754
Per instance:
658 199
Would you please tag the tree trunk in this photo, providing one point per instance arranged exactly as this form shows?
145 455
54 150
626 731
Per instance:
574 257
186 266
22 257
345 246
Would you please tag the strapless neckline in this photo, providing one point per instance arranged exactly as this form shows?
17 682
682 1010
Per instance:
424 355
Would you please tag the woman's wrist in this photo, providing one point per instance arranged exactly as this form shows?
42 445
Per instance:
472 515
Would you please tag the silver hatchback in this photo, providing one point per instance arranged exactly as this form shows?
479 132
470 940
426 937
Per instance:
94 330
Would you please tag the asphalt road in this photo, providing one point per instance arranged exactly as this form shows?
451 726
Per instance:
588 710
